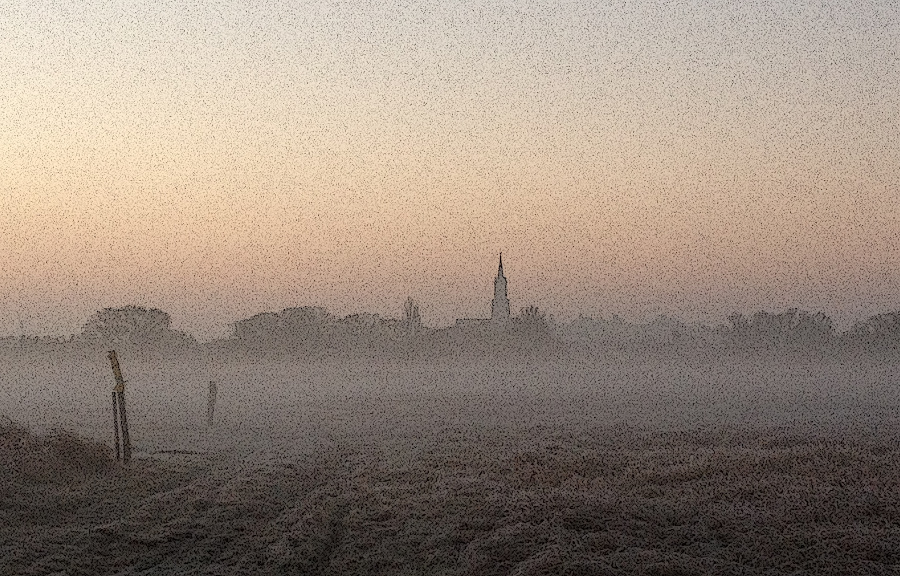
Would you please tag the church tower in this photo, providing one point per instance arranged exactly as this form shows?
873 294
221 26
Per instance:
500 303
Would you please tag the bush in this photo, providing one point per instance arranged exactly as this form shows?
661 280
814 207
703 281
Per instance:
57 456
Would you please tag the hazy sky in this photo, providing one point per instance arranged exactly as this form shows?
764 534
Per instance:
218 159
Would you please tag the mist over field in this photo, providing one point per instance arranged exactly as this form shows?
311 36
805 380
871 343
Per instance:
467 451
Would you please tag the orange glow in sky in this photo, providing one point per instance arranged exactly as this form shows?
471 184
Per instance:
217 159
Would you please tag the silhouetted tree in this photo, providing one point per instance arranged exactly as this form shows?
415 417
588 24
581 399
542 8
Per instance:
531 326
305 327
878 333
738 330
258 331
132 325
790 330
412 321
292 330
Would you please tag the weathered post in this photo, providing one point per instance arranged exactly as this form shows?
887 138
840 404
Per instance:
116 425
123 416
211 404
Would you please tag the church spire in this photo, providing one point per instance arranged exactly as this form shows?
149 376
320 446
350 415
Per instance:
500 303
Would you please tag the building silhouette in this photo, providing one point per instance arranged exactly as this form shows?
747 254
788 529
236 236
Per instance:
500 303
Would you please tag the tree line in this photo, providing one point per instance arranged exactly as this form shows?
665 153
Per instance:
312 330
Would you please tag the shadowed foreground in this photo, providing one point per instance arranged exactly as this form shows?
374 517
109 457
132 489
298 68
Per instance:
604 501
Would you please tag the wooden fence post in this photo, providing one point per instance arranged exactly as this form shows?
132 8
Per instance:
123 416
116 425
211 404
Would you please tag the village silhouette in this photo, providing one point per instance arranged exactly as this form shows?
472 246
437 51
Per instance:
309 331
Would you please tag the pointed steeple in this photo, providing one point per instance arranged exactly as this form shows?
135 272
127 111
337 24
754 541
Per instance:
500 303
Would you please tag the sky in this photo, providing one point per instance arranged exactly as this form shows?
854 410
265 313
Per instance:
219 159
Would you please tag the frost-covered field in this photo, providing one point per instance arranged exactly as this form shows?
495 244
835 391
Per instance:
624 465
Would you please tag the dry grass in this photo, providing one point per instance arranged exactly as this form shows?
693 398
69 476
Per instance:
605 502
56 457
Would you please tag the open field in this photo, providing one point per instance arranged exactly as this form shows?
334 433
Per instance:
622 466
